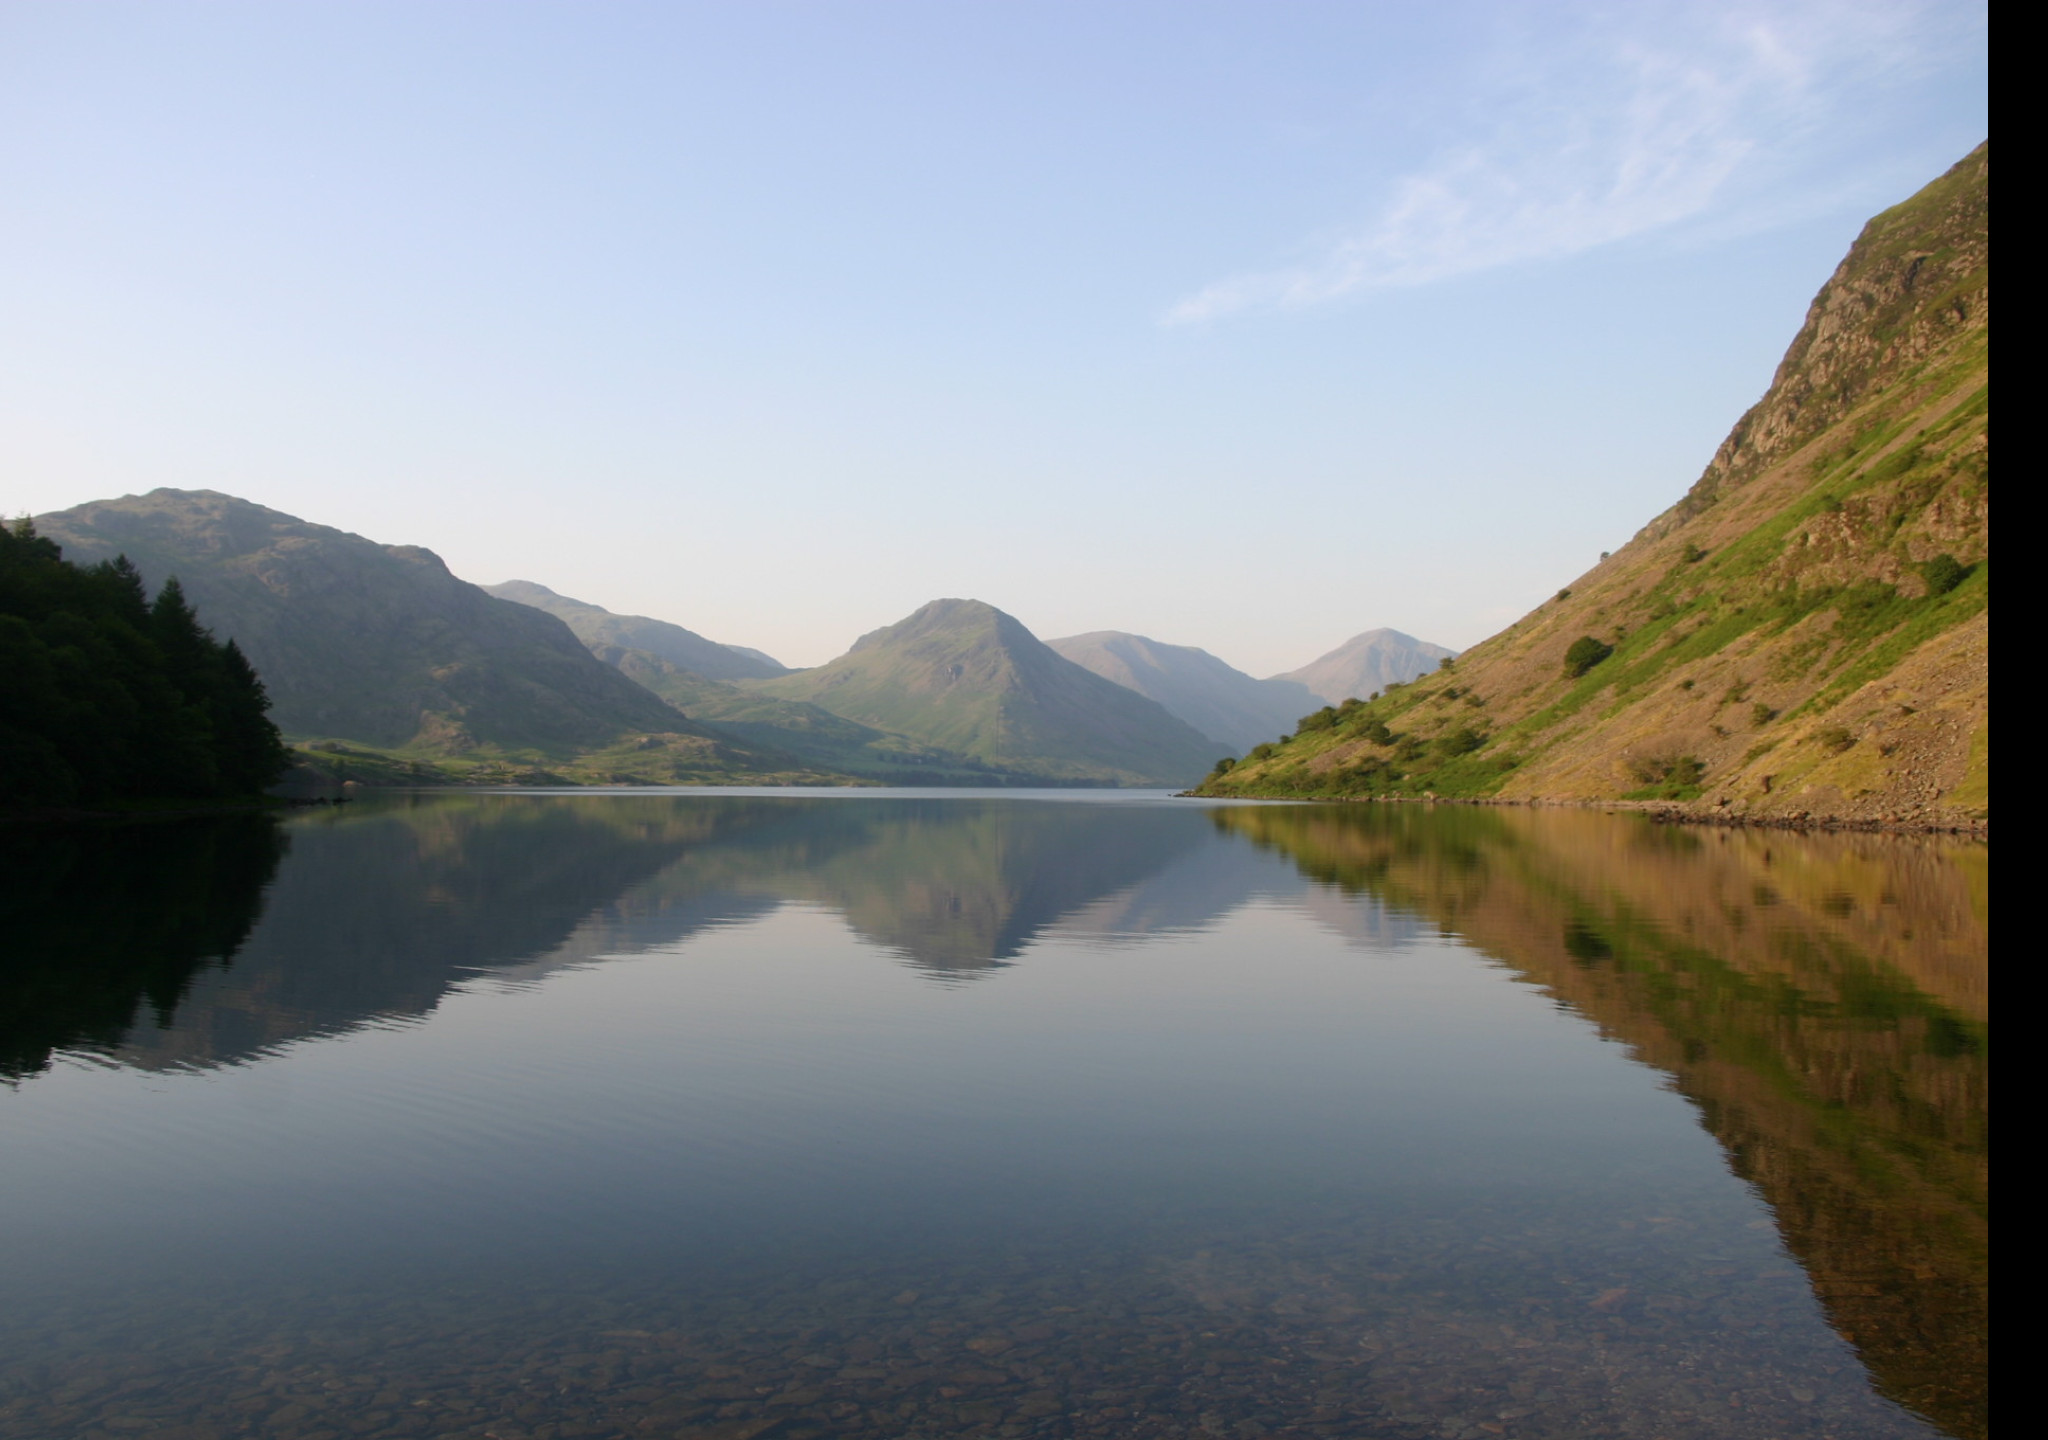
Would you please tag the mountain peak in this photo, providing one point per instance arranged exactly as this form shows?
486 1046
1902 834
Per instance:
1223 703
966 676
1369 661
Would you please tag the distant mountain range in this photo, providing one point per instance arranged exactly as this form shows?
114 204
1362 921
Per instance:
596 627
962 675
381 646
1220 701
1806 632
808 732
1366 664
389 668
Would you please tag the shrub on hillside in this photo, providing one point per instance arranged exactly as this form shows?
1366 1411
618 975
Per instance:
1584 653
1462 741
1943 573
1668 777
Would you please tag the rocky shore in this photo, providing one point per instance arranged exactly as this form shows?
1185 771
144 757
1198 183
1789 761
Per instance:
1671 812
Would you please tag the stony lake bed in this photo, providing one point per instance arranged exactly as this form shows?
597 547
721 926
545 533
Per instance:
739 1114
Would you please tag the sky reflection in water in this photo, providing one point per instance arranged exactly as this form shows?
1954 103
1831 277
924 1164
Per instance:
885 1115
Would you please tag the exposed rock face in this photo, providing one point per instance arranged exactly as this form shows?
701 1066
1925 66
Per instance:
1224 703
1916 283
963 675
1804 634
367 642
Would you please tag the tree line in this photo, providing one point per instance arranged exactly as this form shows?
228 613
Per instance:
108 695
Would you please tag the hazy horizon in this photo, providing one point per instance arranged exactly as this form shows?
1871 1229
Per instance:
1237 328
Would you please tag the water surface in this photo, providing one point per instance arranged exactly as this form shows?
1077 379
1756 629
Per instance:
732 1114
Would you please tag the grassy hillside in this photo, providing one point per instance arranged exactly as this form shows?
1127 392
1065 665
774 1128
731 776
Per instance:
379 648
1804 632
965 677
1222 702
807 732
809 735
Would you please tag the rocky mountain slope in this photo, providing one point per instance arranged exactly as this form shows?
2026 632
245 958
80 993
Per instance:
965 677
381 646
1805 633
1367 663
1222 702
598 627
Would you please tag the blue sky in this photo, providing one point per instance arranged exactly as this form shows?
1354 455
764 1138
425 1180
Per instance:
1247 326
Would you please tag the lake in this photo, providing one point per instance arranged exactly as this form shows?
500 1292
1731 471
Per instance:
869 1113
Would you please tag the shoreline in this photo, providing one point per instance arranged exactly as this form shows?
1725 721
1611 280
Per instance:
179 810
1663 812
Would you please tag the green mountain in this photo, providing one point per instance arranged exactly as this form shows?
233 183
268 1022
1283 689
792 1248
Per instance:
596 627
964 676
1366 663
812 735
1806 632
380 646
1222 702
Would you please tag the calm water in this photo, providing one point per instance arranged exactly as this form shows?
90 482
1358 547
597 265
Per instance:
737 1115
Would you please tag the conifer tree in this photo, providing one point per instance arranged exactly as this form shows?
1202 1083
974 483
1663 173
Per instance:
110 696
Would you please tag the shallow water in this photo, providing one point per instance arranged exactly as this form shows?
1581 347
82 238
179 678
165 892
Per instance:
744 1114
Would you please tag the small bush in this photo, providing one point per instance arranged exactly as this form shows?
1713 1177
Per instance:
1667 777
1462 741
1450 660
1761 714
1693 554
1834 738
1564 594
1943 573
1584 654
1378 733
1224 766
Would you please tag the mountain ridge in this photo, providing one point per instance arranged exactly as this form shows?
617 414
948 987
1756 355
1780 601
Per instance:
1803 633
596 626
382 646
1369 661
1217 699
969 678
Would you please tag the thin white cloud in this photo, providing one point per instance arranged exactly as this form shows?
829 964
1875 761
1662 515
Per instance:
1598 133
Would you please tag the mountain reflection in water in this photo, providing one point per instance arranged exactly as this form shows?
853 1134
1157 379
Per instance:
1821 1001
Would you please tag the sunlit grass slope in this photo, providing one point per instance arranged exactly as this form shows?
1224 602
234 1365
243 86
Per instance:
1806 631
